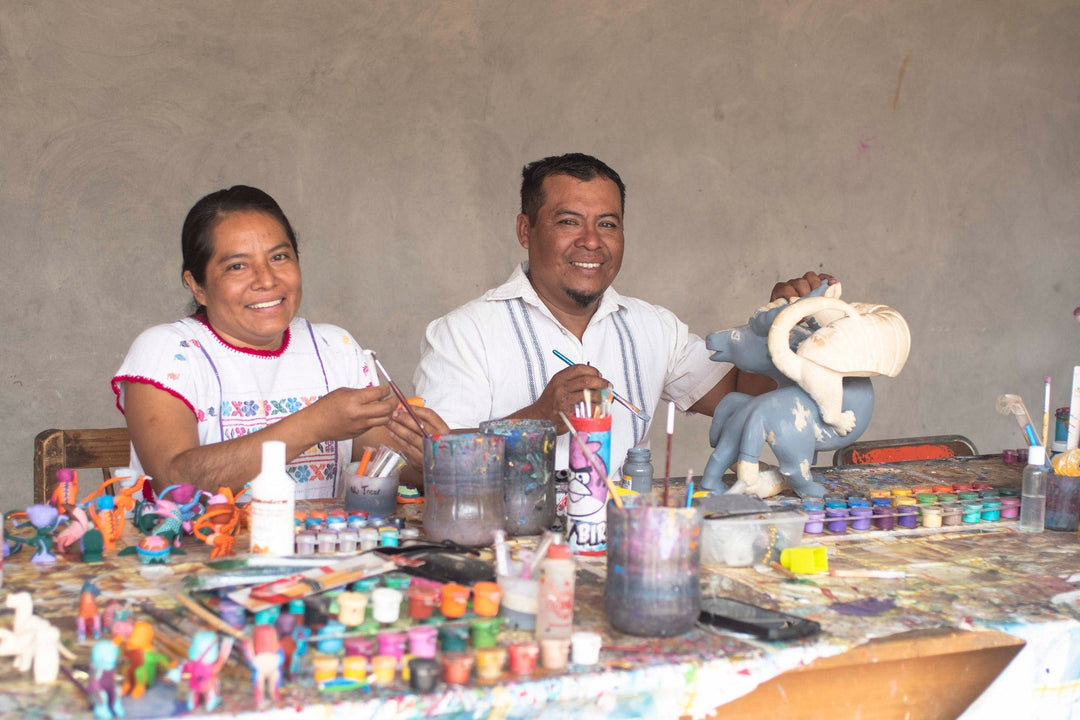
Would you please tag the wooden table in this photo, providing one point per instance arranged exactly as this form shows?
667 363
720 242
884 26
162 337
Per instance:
921 647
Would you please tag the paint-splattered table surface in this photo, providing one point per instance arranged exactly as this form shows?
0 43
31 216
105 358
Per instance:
990 577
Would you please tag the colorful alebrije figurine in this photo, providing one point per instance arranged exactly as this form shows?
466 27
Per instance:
88 618
92 546
102 688
32 641
108 519
65 494
206 657
263 652
119 620
143 661
44 519
78 524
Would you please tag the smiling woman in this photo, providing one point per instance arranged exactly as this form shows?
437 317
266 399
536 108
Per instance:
202 394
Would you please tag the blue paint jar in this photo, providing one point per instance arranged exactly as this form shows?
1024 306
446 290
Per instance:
835 503
971 511
991 510
856 501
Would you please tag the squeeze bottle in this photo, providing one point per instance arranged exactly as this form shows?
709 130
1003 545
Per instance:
273 504
555 604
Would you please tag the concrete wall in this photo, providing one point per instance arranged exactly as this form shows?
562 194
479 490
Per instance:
927 153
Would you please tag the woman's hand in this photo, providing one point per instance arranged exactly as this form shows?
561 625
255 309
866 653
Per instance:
345 413
410 437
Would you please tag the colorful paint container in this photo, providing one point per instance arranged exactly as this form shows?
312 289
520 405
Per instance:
855 501
554 652
423 674
836 520
463 488
389 536
991 509
232 613
351 608
951 514
926 498
981 485
971 511
922 490
486 596
422 600
455 599
884 516
815 524
386 605
361 646
961 487
397 581
392 644
347 540
1009 492
354 668
422 640
529 476
880 493
967 495
489 663
901 492
383 669
931 515
306 542
907 513
942 489
325 667
523 657
835 503
333 630
456 667
1008 457
368 538
1010 508
949 497
453 638
860 518
585 648
484 632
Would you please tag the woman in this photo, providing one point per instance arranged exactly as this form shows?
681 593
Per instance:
195 391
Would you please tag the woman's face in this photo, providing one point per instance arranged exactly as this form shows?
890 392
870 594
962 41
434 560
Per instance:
252 289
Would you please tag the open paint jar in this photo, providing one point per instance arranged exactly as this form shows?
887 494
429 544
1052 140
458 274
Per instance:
463 488
653 570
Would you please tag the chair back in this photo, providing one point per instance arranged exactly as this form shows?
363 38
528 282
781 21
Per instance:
77 449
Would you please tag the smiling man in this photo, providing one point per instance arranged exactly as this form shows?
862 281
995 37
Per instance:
492 358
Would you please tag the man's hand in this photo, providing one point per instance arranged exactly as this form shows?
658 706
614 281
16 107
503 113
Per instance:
565 390
800 286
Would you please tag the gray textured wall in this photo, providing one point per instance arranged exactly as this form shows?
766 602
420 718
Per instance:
925 152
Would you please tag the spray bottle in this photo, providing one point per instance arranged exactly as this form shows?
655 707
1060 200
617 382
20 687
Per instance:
273 504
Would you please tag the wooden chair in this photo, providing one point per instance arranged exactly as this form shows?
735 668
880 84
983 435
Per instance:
898 450
77 449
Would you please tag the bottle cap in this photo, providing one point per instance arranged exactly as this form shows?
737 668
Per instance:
559 552
273 454
1036 455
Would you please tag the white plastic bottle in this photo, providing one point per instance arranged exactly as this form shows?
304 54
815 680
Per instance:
273 504
1033 493
555 604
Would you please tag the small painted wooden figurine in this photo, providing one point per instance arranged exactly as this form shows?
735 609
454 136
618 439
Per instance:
206 657
143 661
88 618
264 654
102 688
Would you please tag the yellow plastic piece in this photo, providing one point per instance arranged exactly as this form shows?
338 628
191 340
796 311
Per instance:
805 560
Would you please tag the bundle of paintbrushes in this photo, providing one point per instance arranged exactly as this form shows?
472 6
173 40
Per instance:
599 409
383 462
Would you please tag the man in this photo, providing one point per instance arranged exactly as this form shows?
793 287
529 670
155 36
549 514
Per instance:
493 357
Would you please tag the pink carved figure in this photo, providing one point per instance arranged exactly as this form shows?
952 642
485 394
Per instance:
206 657
119 620
77 527
88 617
65 496
264 653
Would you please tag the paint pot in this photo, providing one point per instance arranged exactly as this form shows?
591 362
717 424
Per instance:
392 644
389 536
456 667
422 600
971 511
422 640
961 487
1008 457
383 669
232 613
368 538
325 668
967 495
484 632
814 522
351 607
938 489
906 512
860 518
489 663
949 497
901 492
529 473
917 490
397 581
989 494
991 509
1062 502
423 674
361 646
880 493
373 495
653 570
455 599
926 498
554 653
981 485
518 605
857 501
951 514
486 596
1010 508
931 515
285 624
835 503
1009 492
305 542
463 488
327 540
585 648
1022 455
333 630
884 518
523 657
354 668
586 508
347 540
453 638
836 520
386 605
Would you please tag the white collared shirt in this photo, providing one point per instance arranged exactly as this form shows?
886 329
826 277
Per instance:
493 356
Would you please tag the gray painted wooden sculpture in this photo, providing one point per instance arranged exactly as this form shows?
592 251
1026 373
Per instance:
822 352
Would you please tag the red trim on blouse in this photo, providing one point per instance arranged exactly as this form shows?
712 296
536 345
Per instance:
249 351
146 381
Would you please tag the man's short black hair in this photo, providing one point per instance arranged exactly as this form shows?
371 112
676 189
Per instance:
577 165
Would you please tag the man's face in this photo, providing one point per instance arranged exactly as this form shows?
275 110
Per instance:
576 245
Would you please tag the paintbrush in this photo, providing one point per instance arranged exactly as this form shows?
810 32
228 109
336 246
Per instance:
667 462
1046 417
594 462
618 398
400 395
1014 405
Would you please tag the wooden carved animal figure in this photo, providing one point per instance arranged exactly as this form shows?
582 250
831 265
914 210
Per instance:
787 418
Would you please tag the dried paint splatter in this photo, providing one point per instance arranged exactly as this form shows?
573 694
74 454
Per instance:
865 607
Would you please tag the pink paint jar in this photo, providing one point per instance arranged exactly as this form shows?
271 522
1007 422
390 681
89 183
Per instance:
1010 508
423 640
391 644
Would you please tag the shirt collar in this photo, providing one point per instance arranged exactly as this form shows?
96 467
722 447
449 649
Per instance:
518 286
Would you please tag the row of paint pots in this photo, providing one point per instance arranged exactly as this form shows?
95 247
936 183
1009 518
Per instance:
327 541
450 659
859 514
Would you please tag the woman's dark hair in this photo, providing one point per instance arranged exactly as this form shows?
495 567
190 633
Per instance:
196 242
577 165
